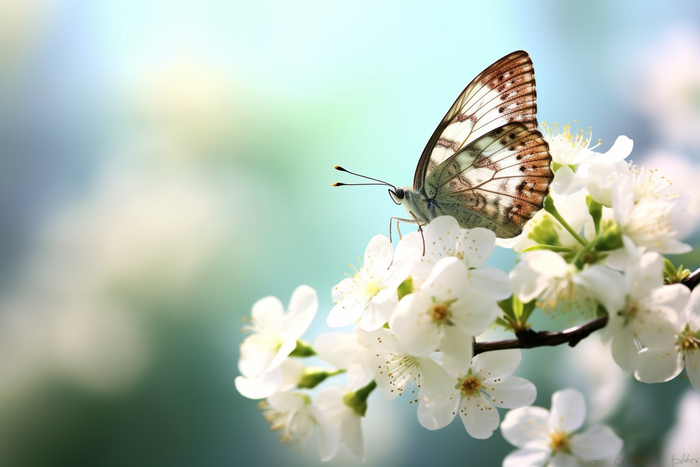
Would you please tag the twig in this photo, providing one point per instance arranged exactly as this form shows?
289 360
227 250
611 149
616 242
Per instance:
530 339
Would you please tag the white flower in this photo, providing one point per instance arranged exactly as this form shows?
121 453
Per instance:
350 352
444 238
445 313
665 363
650 313
292 414
574 150
337 422
276 333
557 285
545 438
369 297
650 222
394 368
282 378
486 385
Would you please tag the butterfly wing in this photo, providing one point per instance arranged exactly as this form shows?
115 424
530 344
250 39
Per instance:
502 93
503 177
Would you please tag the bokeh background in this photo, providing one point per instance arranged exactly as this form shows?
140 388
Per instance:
165 163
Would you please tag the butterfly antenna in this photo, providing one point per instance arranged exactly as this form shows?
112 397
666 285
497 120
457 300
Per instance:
379 182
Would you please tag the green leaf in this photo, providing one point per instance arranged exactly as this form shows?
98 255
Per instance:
405 288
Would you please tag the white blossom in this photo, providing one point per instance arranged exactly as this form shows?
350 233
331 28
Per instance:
445 313
275 333
281 378
337 422
292 414
444 238
395 368
666 362
487 384
348 351
547 438
544 275
650 313
369 297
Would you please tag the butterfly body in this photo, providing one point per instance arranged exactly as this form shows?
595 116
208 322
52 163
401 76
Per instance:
486 164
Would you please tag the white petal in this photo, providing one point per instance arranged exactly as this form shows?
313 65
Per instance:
598 442
436 411
474 312
477 246
259 387
268 315
492 280
351 433
621 148
457 348
527 458
568 411
526 427
377 313
302 310
285 349
562 459
415 330
692 367
645 275
435 378
566 182
692 311
328 441
676 297
256 353
286 402
479 416
348 309
624 349
605 285
337 348
512 393
658 365
496 365
547 262
379 253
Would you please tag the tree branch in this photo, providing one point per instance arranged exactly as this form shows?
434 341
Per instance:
530 339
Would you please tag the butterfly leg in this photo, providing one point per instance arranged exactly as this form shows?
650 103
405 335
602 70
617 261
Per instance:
399 219
420 229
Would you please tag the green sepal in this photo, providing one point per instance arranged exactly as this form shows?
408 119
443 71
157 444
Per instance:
405 288
559 249
357 400
596 211
673 275
610 238
303 349
544 231
314 376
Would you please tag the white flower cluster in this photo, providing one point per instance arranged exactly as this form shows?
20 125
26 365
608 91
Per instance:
418 313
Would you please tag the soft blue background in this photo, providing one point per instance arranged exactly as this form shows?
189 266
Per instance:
242 109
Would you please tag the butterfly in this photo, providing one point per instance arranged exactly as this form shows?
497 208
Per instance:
486 163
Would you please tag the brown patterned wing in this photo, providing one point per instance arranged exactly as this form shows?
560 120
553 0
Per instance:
502 93
503 177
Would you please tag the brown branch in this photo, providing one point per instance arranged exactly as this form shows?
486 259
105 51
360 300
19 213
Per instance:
530 339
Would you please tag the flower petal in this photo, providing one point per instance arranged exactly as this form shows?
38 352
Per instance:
436 411
351 433
512 393
415 330
496 365
527 458
658 365
568 411
302 310
605 285
526 428
286 401
379 253
692 367
337 348
562 459
259 387
348 309
457 348
435 378
492 280
479 416
596 443
692 311
477 246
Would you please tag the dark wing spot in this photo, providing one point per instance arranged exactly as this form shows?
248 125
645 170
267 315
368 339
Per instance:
522 168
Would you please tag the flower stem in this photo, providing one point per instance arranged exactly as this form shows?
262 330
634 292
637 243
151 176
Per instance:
550 208
561 249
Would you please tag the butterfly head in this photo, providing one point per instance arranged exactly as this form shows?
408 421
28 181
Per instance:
397 195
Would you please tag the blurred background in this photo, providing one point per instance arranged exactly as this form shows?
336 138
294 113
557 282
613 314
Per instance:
164 164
